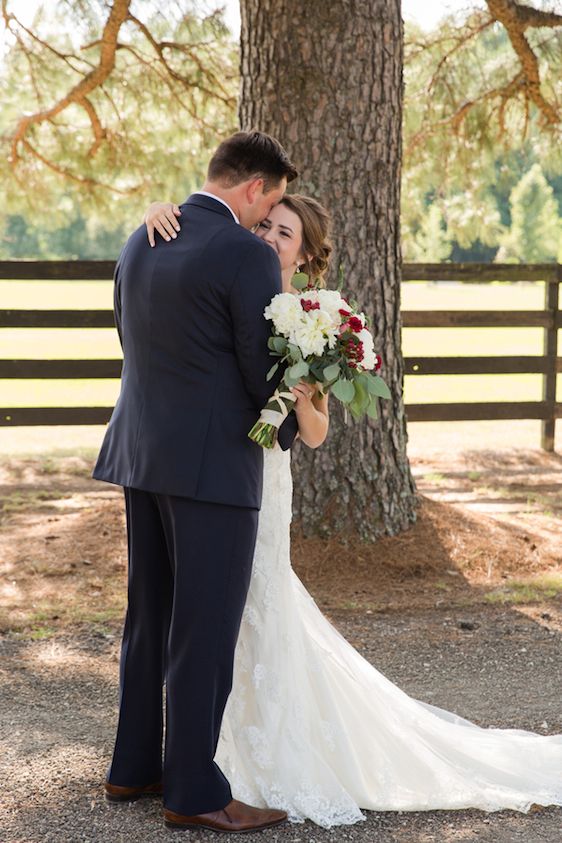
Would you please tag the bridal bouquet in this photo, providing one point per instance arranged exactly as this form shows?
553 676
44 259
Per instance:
322 339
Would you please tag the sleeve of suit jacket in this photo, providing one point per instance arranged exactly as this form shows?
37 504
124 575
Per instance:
117 301
258 279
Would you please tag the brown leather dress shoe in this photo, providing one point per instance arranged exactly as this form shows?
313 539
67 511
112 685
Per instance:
117 793
234 818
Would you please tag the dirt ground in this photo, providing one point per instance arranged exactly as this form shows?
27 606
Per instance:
463 611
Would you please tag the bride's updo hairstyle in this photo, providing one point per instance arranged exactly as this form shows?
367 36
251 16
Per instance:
315 234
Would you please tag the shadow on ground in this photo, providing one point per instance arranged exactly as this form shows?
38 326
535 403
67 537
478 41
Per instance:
462 611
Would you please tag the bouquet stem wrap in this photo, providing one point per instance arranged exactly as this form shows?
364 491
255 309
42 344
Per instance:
265 430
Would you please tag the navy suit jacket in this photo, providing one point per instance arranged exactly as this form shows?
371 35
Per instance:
190 319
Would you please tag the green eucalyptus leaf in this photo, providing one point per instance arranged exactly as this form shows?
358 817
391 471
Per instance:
299 370
377 386
343 390
299 280
372 409
289 379
331 372
361 395
272 371
278 344
294 351
354 410
316 370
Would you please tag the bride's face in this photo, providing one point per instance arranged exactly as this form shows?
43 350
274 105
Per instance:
282 230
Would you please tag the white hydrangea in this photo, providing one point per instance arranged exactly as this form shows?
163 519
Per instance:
331 302
369 358
311 330
309 295
312 333
285 311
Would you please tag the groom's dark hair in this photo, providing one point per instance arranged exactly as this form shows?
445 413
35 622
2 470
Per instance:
247 155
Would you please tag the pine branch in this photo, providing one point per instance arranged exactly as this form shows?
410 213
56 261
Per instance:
516 18
504 93
159 48
183 87
78 95
84 181
525 85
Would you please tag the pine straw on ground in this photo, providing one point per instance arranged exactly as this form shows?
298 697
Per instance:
63 552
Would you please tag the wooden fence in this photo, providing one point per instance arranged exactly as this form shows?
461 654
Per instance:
548 364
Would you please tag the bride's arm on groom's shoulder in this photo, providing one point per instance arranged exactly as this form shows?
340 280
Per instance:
162 217
312 414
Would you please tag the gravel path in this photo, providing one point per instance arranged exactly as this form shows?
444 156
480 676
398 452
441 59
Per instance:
496 666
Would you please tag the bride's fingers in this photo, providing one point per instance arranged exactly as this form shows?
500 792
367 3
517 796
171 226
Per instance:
162 225
167 217
161 216
164 221
155 225
150 232
302 391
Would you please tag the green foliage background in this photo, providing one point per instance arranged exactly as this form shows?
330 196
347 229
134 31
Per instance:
462 184
159 129
487 190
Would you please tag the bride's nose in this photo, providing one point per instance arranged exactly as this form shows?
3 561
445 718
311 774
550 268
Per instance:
269 239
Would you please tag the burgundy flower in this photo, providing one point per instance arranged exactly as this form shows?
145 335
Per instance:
355 324
354 350
307 305
378 364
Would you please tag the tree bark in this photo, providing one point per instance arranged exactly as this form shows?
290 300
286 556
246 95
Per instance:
326 79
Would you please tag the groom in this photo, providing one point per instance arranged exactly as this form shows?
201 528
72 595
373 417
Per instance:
190 320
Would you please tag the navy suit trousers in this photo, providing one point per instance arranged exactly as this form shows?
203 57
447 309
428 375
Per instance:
189 571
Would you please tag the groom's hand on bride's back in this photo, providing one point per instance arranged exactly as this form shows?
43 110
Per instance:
162 217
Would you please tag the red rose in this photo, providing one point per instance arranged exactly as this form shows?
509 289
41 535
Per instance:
378 364
355 324
344 312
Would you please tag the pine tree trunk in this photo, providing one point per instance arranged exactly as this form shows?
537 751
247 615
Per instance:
326 79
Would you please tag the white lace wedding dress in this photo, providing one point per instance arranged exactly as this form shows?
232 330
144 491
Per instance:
312 728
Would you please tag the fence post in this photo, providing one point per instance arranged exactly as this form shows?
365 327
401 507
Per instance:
550 349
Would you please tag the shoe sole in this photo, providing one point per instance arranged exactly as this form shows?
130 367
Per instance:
133 798
190 826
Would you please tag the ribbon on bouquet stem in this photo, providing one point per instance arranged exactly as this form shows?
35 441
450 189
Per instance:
277 408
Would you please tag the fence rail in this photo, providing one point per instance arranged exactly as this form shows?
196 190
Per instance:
549 364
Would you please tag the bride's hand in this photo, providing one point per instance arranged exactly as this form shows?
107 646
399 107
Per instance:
162 217
311 411
303 393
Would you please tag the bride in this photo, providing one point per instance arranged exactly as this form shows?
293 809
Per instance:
311 727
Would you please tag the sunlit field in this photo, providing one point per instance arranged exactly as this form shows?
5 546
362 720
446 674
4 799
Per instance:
103 343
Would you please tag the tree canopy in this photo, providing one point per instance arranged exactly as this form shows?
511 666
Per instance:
110 100
483 94
107 105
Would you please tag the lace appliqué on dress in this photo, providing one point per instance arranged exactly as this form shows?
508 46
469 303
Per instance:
315 730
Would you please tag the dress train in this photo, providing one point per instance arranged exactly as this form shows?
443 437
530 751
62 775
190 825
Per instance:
313 728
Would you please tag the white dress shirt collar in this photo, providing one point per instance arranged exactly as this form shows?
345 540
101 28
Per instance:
218 199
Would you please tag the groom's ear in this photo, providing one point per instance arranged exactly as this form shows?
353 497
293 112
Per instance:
254 190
